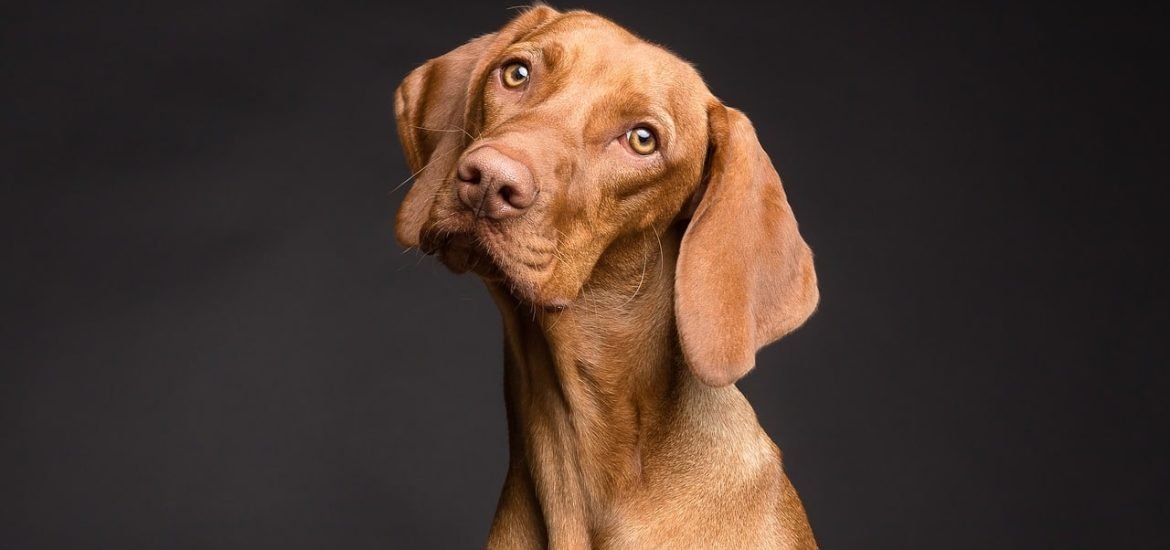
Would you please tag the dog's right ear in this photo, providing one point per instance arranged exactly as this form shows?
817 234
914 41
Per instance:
431 107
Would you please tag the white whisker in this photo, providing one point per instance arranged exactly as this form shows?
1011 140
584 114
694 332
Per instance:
412 176
452 130
645 260
661 254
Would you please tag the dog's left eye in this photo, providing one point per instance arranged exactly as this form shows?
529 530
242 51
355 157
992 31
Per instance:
514 74
642 140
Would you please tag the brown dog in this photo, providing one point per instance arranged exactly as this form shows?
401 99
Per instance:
593 179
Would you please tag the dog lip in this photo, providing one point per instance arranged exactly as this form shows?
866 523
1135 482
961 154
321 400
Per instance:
462 249
467 245
433 243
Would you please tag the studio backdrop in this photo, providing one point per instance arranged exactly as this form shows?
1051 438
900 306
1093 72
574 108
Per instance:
211 339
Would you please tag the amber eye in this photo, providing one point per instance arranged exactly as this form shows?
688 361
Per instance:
642 140
515 74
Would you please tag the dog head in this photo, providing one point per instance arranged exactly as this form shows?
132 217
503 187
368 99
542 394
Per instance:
537 147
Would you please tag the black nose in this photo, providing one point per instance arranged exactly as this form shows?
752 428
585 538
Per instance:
494 185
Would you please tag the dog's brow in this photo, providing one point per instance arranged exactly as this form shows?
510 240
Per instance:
528 50
632 109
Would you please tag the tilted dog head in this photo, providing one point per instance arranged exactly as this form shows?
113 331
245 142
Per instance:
537 147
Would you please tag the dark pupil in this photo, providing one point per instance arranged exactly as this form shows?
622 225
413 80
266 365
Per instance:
643 135
520 72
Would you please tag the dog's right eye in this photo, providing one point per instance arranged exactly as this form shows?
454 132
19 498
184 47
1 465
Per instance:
514 74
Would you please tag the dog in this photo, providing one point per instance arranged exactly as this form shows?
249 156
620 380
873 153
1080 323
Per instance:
641 249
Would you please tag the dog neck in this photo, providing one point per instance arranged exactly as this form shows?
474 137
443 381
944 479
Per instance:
591 387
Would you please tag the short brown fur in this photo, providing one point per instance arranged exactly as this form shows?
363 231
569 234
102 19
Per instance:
634 291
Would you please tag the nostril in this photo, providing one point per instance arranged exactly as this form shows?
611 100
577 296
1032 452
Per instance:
469 173
518 196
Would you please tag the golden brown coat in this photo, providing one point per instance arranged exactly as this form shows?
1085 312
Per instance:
634 289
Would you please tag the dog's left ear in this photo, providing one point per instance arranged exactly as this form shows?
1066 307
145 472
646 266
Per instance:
744 277
431 107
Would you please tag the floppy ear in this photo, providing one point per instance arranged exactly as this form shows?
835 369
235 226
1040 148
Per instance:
745 277
431 107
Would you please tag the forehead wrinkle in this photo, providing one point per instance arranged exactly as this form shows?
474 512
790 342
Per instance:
583 35
545 54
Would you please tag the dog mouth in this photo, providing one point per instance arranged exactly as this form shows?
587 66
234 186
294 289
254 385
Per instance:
517 266
462 252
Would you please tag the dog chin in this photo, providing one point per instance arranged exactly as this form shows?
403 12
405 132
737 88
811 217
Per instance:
464 252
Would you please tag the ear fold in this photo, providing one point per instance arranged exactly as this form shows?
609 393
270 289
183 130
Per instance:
431 107
744 277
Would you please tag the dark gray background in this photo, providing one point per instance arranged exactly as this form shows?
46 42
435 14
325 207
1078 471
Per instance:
210 339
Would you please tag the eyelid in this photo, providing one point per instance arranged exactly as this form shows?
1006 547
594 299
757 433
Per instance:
514 60
527 55
662 124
